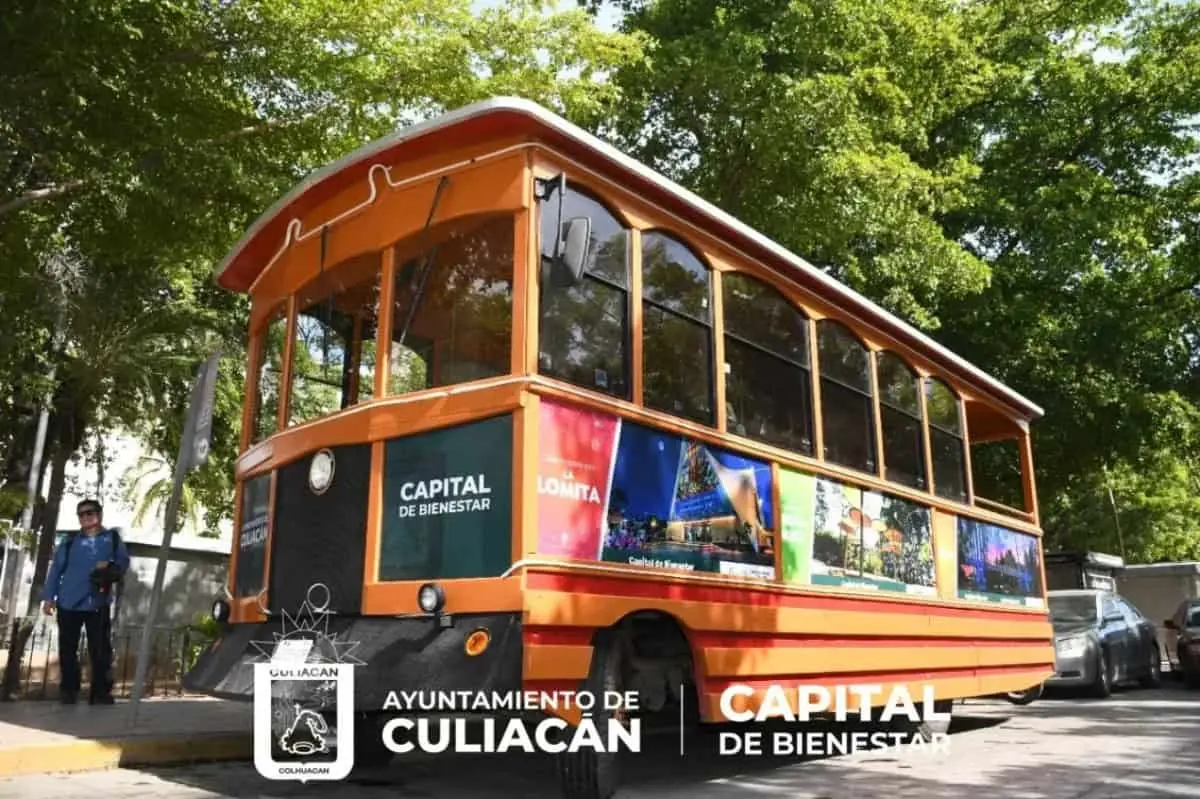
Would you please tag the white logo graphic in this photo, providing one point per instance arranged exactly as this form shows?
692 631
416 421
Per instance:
303 685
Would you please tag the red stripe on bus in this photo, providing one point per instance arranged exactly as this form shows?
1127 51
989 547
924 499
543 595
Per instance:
768 641
613 586
716 686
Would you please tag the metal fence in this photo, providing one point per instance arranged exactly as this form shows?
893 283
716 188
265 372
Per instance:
173 652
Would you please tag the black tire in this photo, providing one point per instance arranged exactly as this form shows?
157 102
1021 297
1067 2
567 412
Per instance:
1190 676
1026 697
587 774
1102 687
1153 678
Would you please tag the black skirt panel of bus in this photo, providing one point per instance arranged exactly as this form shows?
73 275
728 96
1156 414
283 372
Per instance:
320 538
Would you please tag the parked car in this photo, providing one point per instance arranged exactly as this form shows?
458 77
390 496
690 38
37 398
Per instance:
1186 622
1101 641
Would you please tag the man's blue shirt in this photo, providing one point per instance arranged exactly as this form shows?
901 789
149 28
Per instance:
72 588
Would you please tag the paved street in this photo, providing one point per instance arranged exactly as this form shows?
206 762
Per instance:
1137 744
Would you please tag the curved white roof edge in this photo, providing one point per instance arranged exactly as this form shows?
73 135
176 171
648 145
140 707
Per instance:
848 296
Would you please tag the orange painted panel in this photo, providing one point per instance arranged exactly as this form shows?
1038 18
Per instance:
495 186
824 660
594 610
382 419
556 662
945 553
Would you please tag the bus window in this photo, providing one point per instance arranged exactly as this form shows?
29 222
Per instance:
847 408
583 333
452 305
768 391
335 313
946 441
676 330
269 369
900 412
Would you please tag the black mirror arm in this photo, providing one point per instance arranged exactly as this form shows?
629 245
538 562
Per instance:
547 187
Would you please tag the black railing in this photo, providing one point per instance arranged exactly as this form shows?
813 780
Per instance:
173 652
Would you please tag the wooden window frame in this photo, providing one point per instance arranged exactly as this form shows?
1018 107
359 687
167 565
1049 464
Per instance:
632 259
874 439
964 445
715 375
806 368
881 403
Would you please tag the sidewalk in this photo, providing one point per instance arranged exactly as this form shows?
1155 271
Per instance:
43 736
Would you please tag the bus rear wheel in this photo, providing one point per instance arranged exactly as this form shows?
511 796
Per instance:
587 774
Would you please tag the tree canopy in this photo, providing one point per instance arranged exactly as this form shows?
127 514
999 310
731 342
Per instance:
1016 178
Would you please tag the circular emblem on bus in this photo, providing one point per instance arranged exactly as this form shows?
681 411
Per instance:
320 471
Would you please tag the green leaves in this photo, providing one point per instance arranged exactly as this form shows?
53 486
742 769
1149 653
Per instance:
813 124
142 138
1019 178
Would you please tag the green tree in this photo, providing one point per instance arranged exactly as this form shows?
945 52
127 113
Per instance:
1017 179
142 139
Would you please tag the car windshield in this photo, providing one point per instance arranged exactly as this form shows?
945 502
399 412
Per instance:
1072 609
1193 617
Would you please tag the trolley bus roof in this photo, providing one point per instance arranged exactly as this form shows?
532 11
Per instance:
507 117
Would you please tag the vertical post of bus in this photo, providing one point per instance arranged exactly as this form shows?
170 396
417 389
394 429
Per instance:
193 452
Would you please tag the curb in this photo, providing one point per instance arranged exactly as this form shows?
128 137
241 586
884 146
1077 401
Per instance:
123 753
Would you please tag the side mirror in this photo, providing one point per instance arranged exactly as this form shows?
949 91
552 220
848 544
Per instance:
1170 624
576 241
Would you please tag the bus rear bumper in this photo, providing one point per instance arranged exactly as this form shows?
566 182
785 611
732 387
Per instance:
422 654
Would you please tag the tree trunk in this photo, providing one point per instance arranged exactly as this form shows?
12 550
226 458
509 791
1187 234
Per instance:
58 484
63 438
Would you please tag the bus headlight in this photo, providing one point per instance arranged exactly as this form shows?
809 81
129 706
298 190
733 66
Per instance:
431 597
220 611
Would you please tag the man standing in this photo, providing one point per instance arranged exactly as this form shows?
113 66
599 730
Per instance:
80 586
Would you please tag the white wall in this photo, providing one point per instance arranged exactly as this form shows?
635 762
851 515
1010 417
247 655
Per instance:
190 573
122 453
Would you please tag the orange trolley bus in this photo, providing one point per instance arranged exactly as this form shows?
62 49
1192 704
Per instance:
532 417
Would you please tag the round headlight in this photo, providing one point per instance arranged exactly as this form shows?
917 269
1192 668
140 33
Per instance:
220 610
320 471
431 597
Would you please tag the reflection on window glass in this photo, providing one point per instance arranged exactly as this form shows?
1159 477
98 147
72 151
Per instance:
270 371
767 385
584 328
676 330
452 313
942 405
336 313
900 413
842 356
847 409
946 442
677 363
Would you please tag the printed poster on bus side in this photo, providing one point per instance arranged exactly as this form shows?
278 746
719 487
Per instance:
619 492
838 534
